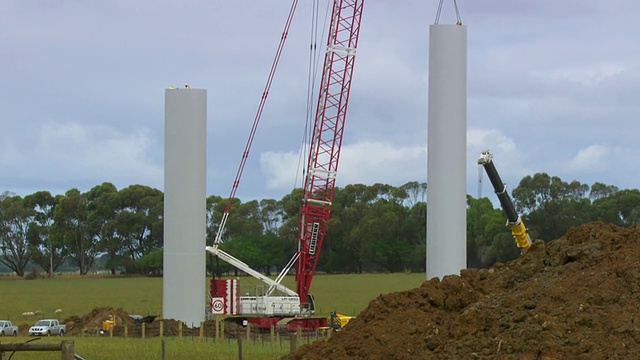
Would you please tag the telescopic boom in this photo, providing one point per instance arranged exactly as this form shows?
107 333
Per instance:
514 220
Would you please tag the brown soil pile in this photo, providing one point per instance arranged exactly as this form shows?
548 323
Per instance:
572 298
23 330
92 322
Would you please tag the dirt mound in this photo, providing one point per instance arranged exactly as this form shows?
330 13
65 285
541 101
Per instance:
572 298
23 330
92 322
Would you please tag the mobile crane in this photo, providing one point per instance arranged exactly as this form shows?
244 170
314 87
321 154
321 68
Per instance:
294 309
514 220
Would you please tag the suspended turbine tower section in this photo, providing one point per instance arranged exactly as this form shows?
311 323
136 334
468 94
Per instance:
447 148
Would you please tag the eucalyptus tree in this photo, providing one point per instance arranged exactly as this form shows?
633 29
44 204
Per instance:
415 192
277 251
384 244
415 224
621 208
600 190
367 229
271 215
72 227
46 249
103 201
531 192
139 222
215 206
550 205
242 218
290 205
15 218
489 240
343 240
152 262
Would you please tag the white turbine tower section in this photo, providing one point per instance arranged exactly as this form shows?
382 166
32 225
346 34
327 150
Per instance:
446 147
183 284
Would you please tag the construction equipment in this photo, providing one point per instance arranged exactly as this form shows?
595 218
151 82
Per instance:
338 321
107 325
290 309
514 220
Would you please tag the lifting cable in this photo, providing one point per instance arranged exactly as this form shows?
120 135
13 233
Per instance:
455 5
314 63
256 120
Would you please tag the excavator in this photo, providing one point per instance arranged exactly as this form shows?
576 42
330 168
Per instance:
514 220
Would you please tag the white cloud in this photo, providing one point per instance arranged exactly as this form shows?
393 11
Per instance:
365 162
591 159
370 162
477 137
84 155
280 169
584 74
510 160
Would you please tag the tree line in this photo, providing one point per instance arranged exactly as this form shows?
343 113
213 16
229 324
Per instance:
373 228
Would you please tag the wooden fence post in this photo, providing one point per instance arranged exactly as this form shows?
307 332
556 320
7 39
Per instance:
273 338
68 350
180 329
143 330
293 343
162 328
239 347
201 329
126 330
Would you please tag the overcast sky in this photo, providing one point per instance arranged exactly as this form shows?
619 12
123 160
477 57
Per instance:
552 87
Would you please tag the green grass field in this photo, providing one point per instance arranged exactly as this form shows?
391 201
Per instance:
348 294
105 348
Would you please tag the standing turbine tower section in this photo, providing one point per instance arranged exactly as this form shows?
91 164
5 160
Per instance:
326 140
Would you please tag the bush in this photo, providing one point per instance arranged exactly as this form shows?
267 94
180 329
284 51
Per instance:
32 275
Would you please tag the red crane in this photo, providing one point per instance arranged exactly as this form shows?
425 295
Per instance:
326 139
320 176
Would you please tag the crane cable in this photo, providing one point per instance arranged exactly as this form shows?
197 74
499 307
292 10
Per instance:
314 64
455 5
256 120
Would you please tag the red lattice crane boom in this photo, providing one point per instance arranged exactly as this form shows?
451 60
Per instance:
326 138
283 310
